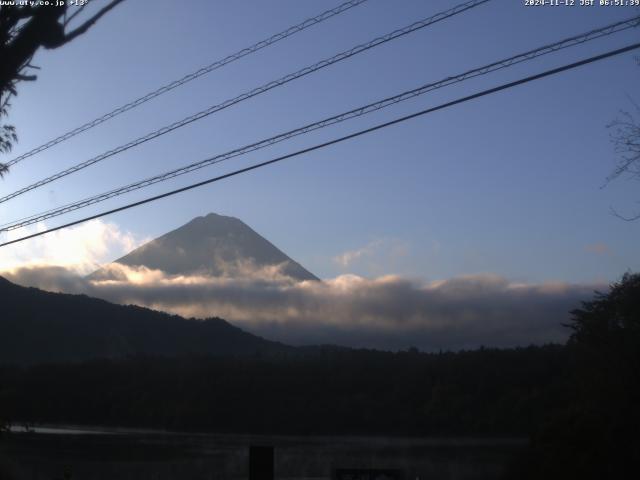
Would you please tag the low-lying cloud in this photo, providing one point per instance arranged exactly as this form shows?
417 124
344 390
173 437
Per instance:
377 256
81 248
388 312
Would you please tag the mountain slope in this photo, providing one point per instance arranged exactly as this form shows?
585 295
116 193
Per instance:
38 326
210 245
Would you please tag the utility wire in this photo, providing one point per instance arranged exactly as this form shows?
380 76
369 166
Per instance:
359 133
257 91
529 55
192 76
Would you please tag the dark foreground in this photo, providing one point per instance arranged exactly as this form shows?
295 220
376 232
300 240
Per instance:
577 404
158 456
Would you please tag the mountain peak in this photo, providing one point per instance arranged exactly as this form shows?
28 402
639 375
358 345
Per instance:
212 245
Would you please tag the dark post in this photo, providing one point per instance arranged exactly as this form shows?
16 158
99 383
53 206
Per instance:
368 474
67 472
260 462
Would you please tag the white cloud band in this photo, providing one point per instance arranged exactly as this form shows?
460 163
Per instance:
388 312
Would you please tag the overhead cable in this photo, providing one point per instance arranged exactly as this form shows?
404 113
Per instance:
359 133
363 110
252 93
191 76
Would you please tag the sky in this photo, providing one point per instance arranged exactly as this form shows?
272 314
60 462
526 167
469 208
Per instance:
510 186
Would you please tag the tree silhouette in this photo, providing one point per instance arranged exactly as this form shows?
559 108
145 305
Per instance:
606 345
23 30
625 136
594 435
606 340
7 135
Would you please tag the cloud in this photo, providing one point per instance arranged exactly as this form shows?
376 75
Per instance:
81 249
383 250
388 312
598 249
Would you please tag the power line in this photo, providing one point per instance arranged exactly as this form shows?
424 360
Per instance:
257 91
192 76
359 133
529 55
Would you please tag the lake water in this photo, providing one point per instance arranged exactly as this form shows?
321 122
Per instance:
97 454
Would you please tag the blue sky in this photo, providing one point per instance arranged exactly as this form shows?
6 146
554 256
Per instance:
509 184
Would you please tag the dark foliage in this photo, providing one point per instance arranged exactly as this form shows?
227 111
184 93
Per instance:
23 30
594 434
320 390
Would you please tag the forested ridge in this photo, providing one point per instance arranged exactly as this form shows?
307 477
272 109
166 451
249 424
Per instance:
320 390
40 327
